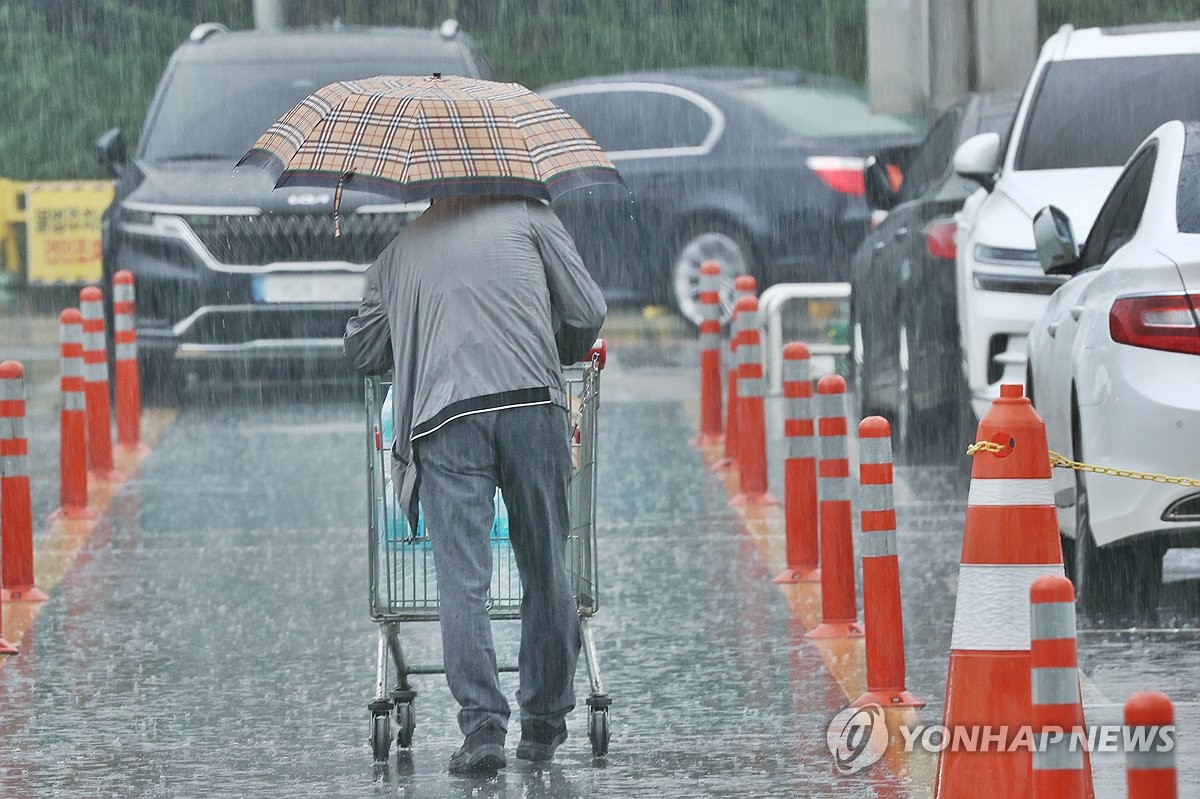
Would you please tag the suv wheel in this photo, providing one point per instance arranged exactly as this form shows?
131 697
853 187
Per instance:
707 243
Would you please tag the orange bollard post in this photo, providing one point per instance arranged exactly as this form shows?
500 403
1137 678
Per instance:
752 419
128 388
743 286
839 613
1009 540
710 355
799 470
1061 768
16 512
882 614
6 648
72 441
1150 748
99 413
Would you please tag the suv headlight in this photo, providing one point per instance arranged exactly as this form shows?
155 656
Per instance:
1005 255
136 216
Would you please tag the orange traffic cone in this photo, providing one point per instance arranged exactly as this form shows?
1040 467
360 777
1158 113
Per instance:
1010 539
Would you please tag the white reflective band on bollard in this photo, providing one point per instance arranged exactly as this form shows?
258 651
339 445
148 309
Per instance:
93 342
798 447
1053 621
1055 686
11 389
123 323
992 610
8 428
833 448
795 371
834 489
95 372
1137 759
831 406
874 450
74 401
875 497
710 341
1064 755
14 465
1010 492
126 351
91 310
123 292
877 544
72 367
751 387
798 408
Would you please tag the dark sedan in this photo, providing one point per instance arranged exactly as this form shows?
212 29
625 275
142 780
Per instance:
758 170
904 305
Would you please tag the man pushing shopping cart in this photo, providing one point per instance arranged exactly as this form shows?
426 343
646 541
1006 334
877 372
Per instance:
474 306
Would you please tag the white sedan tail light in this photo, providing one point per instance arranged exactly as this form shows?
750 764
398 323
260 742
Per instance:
1159 322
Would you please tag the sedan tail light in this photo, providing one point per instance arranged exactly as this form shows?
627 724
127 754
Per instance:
939 238
1162 322
843 174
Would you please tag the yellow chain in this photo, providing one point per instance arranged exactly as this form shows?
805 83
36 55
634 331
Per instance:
1061 462
985 446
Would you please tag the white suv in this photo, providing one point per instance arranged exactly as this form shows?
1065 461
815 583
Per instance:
1094 95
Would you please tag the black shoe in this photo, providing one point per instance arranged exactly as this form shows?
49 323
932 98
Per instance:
539 740
482 757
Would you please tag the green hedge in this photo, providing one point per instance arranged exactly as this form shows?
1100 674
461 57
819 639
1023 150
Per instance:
74 68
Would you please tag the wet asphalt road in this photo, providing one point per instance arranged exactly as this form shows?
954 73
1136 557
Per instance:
213 636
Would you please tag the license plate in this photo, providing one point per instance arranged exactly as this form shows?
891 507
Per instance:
308 288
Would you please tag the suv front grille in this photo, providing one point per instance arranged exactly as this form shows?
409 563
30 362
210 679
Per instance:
240 325
280 238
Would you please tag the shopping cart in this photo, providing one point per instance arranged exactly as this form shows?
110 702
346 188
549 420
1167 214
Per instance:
403 581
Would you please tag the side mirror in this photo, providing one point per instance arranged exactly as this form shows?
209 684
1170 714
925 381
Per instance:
1055 241
977 159
878 182
110 152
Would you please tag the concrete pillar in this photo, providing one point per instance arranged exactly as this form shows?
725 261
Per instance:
951 57
922 55
268 15
898 56
1006 43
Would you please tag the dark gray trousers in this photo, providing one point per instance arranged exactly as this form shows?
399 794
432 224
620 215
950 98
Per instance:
524 451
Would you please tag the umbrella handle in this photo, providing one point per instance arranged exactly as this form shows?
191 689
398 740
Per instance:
337 204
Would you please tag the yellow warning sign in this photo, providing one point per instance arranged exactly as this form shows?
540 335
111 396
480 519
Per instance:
62 230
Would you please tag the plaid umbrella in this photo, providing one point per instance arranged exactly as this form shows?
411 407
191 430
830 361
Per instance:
426 137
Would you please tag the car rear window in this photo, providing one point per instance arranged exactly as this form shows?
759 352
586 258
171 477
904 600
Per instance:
1095 112
812 112
217 111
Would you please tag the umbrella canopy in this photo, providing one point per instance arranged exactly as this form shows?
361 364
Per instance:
425 137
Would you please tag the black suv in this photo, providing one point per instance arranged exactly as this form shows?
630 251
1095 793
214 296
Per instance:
228 270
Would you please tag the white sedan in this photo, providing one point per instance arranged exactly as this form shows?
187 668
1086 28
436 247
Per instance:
1113 370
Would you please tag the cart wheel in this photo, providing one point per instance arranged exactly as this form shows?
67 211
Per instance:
381 736
598 731
406 722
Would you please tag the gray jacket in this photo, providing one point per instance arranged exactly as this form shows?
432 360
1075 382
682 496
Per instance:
473 305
